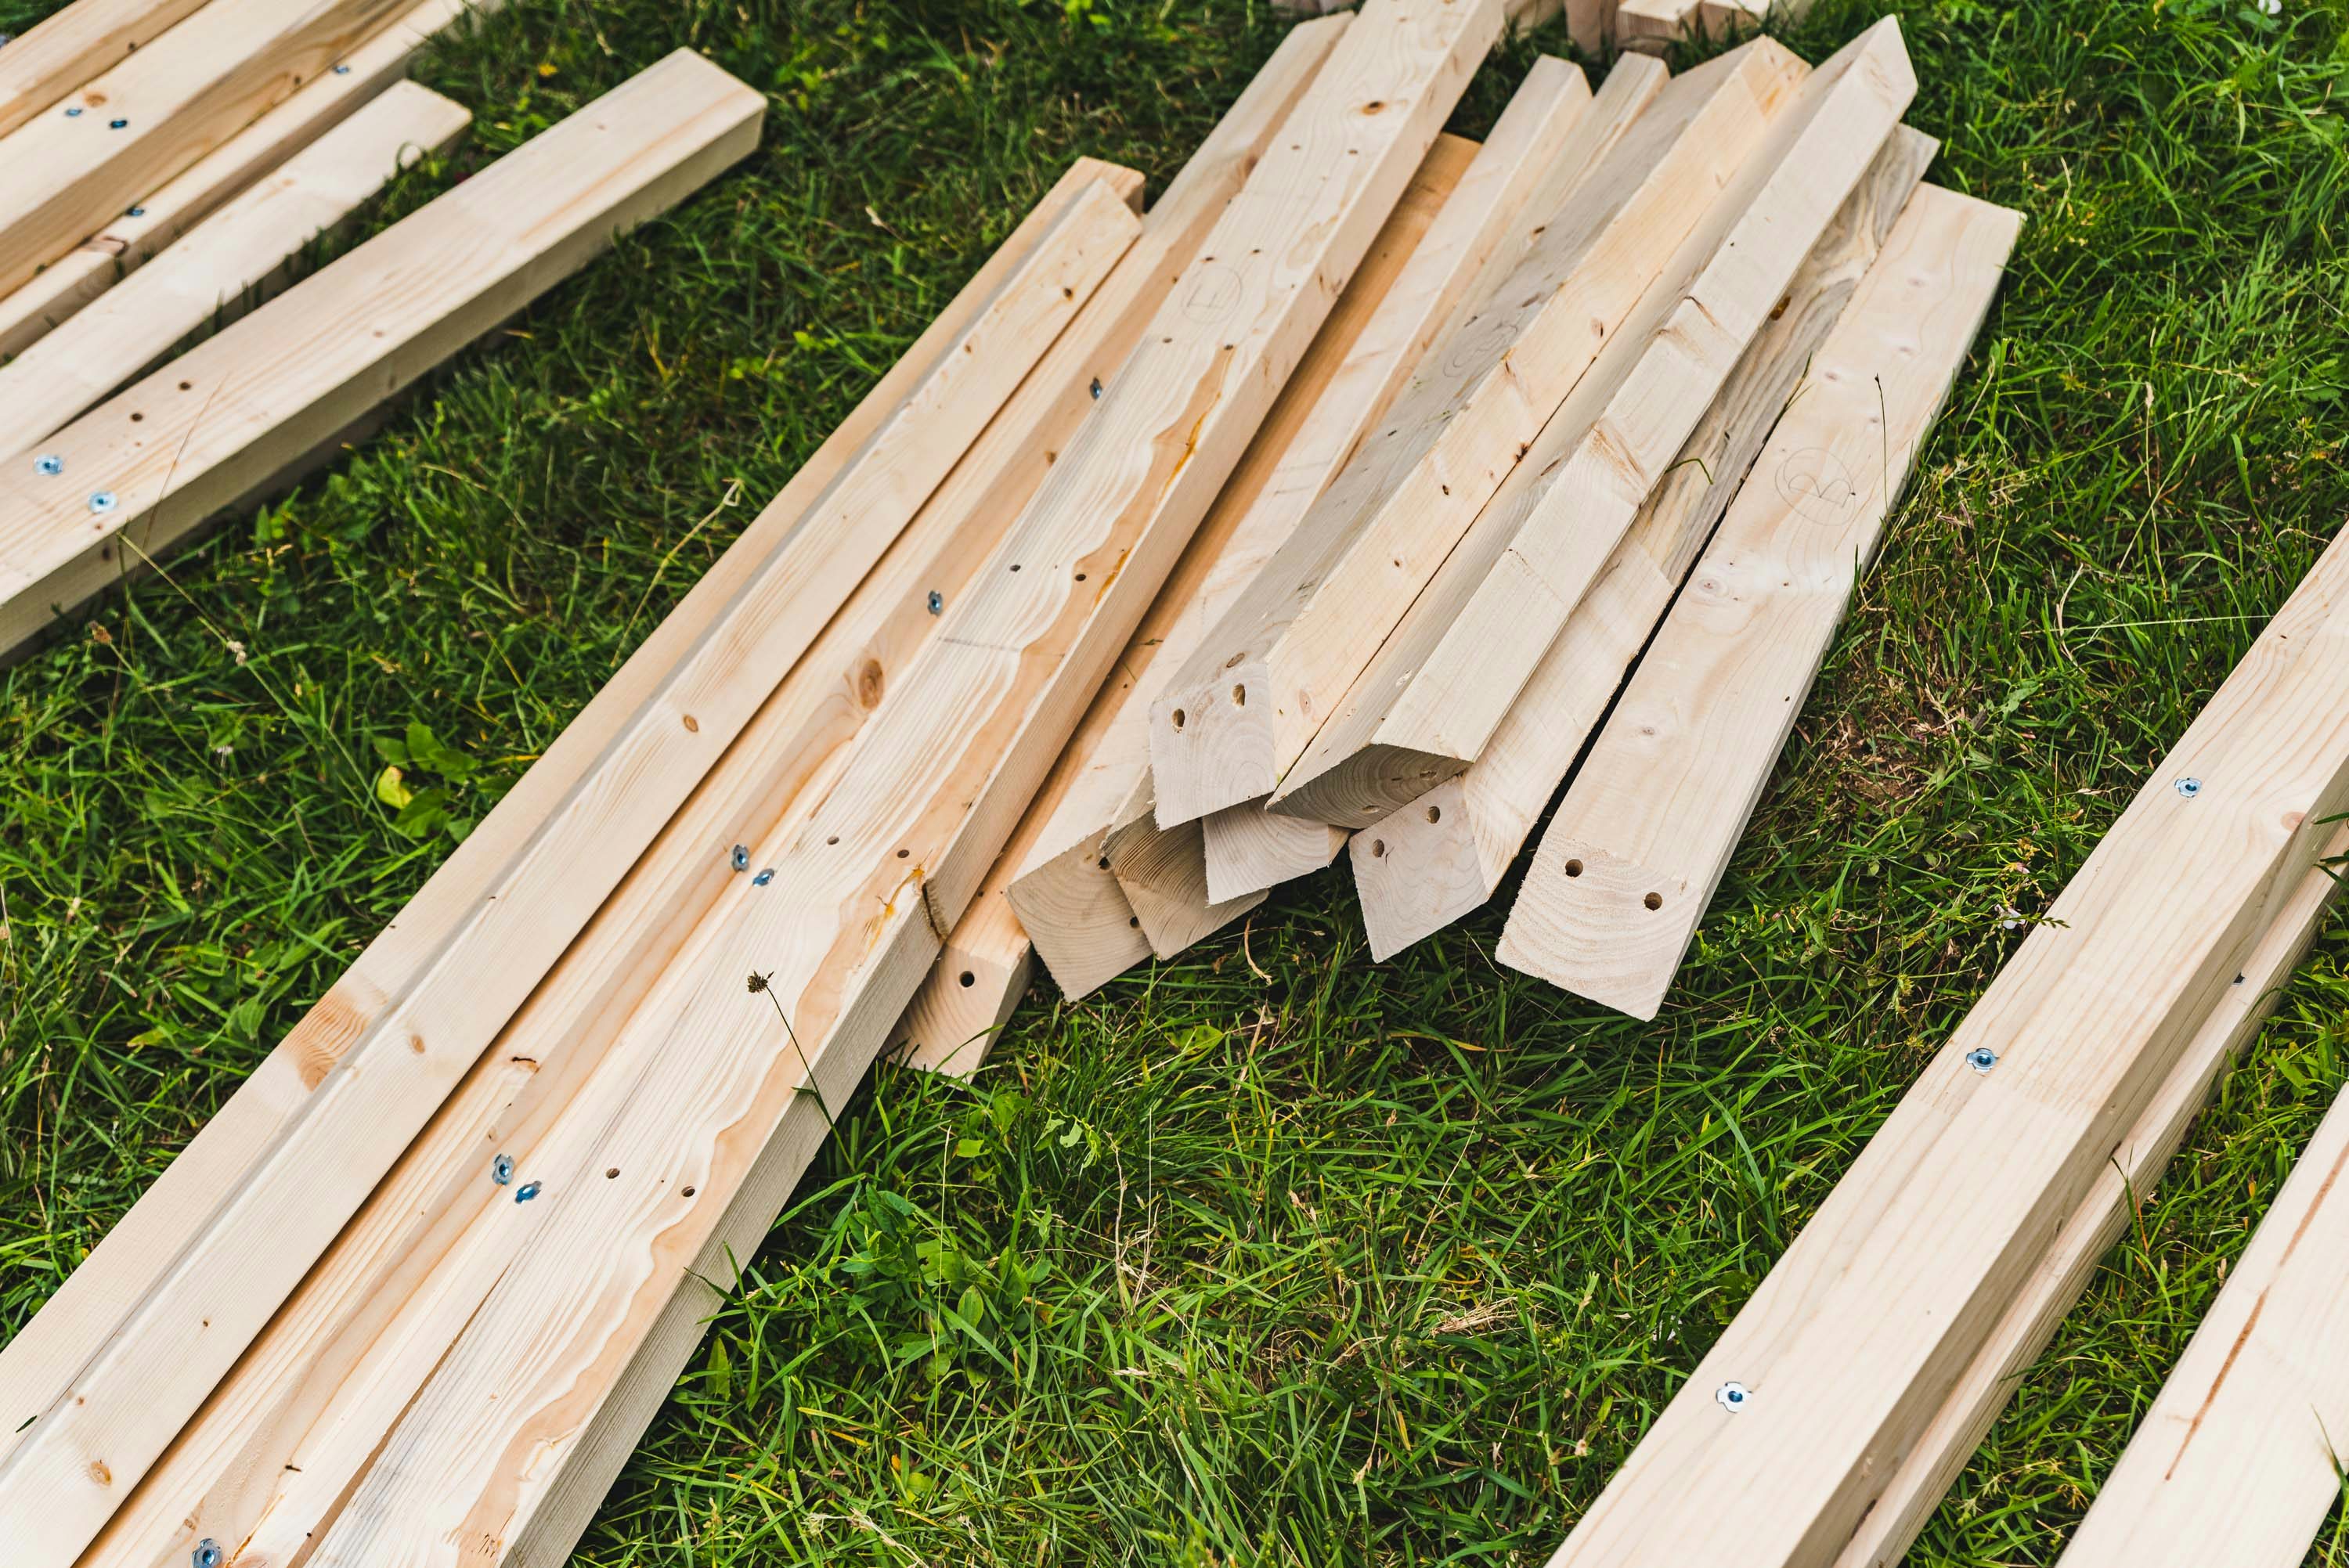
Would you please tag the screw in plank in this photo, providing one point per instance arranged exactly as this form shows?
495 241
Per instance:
49 463
1096 389
73 111
208 1554
501 1169
763 878
135 212
118 125
938 602
1981 1059
103 501
2188 786
526 1191
342 70
1733 1396
741 858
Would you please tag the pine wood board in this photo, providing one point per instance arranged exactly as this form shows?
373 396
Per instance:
1249 849
2027 1323
1853 1341
71 168
846 931
989 942
1427 704
214 272
634 151
131 237
1428 863
70 45
1641 24
1631 858
1243 708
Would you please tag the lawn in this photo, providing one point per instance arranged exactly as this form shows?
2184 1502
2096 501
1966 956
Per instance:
1268 1256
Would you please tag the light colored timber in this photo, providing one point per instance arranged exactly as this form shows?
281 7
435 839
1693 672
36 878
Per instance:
1425 708
1380 332
632 152
1627 866
2027 1323
1427 864
707 1074
2238 1460
1850 1344
281 1441
69 171
1641 24
70 45
130 1257
1249 849
221 263
132 236
949 1026
1243 708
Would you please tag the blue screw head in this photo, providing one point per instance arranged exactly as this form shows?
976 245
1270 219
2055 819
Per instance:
103 501
73 111
49 463
1096 389
501 1169
938 602
526 1192
342 70
2188 786
763 878
115 124
135 212
740 858
208 1554
1981 1059
1733 1396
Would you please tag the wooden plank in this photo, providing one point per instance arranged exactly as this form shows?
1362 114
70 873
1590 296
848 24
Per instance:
2029 1321
71 46
222 263
278 1445
1427 864
637 149
1244 706
136 234
1849 1346
1627 864
1424 708
705 1075
64 174
989 942
1249 849
1650 24
2237 1459
1421 276
130 1257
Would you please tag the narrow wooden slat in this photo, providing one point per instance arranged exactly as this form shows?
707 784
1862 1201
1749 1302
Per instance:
70 45
1427 864
1242 708
1850 1346
1249 849
1644 24
132 1255
971 991
131 237
635 151
221 263
1425 708
705 1074
1420 278
1627 864
2030 1320
69 171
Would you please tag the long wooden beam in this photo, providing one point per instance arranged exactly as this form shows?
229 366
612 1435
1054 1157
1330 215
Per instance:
1426 706
1427 864
707 1074
130 238
220 264
1629 861
1243 706
70 45
128 1260
1850 1346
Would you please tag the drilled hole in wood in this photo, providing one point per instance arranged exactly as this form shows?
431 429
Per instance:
1435 813
611 1174
1378 848
1134 921
903 853
136 417
1178 718
187 386
1239 696
834 840
1080 576
1015 566
1103 862
688 1192
1574 868
969 979
1654 901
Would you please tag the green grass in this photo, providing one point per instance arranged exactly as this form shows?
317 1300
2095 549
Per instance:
1270 1254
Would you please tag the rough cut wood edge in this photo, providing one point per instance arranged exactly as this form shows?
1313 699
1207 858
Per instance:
1854 1339
1630 859
1249 849
2237 1462
895 850
2026 1326
136 234
1428 702
215 270
1649 23
64 175
71 46
1445 853
1245 705
970 991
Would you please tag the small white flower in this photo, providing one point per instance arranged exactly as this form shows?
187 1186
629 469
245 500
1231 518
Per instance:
2271 7
2010 917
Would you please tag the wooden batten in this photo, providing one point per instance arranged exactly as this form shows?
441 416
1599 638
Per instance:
1427 864
1627 864
74 44
1249 849
222 263
1426 704
1243 706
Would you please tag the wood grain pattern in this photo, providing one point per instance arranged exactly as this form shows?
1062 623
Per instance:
221 263
1446 851
1245 705
893 853
1249 849
131 237
970 992
69 47
71 168
1627 864
1855 1338
1426 706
